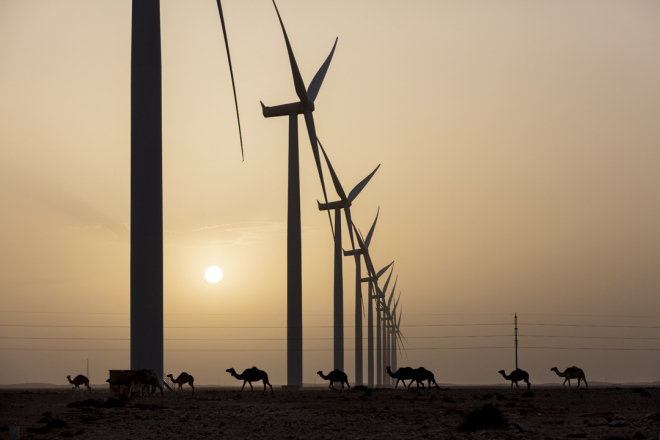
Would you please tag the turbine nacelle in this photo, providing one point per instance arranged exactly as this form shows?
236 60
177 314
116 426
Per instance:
294 108
340 204
355 252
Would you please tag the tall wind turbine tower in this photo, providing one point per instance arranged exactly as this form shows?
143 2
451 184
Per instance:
146 276
293 232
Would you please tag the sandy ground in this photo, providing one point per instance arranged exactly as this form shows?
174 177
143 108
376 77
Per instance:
552 413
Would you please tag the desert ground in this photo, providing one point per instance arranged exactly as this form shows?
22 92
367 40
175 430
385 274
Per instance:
382 413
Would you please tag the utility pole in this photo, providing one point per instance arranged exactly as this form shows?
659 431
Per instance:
515 317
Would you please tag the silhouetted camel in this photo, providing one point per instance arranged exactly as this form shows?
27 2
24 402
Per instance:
183 378
572 373
516 376
252 375
77 381
402 374
421 374
142 378
336 376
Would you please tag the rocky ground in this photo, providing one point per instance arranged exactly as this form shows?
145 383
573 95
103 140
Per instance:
550 413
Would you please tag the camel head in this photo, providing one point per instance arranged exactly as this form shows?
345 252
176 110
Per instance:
231 371
502 372
389 370
170 376
69 377
320 373
554 369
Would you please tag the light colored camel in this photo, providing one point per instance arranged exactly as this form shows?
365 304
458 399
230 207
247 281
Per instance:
252 375
141 378
336 376
77 381
572 373
183 378
516 376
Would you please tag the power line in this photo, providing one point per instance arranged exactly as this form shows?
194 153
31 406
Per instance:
331 338
229 327
330 314
330 326
192 350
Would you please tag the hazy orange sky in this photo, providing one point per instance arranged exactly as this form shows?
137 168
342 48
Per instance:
520 172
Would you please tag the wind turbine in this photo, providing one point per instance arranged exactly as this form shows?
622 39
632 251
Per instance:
345 204
294 253
395 333
387 326
359 305
146 267
374 294
380 308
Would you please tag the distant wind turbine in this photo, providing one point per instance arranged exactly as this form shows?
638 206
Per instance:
146 266
374 294
344 204
387 328
359 306
294 253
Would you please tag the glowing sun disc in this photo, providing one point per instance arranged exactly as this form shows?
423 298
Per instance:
213 274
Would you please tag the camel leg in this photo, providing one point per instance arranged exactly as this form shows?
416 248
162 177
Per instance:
264 389
342 388
193 387
584 378
349 387
569 384
529 385
271 388
251 388
244 382
578 385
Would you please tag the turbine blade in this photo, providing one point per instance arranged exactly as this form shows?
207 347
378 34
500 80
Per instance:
360 186
349 222
297 78
396 303
335 179
371 231
382 271
231 72
393 289
315 85
311 130
387 282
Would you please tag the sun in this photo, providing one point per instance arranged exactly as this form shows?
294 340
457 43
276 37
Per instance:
213 274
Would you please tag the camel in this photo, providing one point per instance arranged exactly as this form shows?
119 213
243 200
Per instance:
402 374
183 378
77 381
516 376
420 375
252 375
336 376
145 378
572 373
